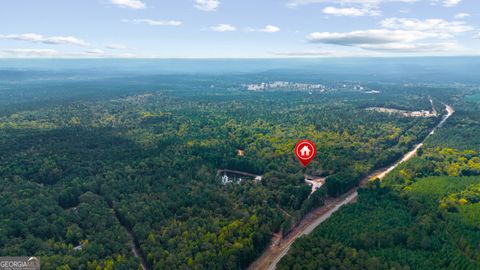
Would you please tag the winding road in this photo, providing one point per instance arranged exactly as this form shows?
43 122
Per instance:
279 248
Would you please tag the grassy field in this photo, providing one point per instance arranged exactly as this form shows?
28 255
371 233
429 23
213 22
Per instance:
473 98
437 187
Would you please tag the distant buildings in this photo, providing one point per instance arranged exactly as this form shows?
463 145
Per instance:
422 113
230 176
315 182
278 85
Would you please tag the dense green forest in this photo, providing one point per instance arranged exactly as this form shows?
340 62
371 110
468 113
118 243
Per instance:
423 215
92 168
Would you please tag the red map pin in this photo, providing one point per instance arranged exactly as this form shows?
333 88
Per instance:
305 151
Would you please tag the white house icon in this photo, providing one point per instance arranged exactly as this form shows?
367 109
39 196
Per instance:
305 151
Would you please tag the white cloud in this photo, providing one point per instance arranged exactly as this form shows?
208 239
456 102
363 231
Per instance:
98 53
451 3
154 22
462 15
322 52
477 36
400 35
30 52
353 12
371 3
304 53
207 5
223 28
42 53
439 26
270 29
412 47
116 47
372 36
266 29
56 40
445 3
64 40
133 4
308 53
95 52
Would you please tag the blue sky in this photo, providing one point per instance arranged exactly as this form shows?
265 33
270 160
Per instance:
238 28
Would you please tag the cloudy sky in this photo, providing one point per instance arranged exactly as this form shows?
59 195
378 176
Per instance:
238 28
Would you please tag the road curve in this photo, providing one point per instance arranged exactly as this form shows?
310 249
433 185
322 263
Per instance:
275 252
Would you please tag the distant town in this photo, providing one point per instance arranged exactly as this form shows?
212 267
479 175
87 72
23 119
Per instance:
278 85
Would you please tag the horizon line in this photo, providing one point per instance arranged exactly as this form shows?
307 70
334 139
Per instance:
236 58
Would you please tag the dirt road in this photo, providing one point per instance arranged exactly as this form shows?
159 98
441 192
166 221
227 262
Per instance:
280 247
